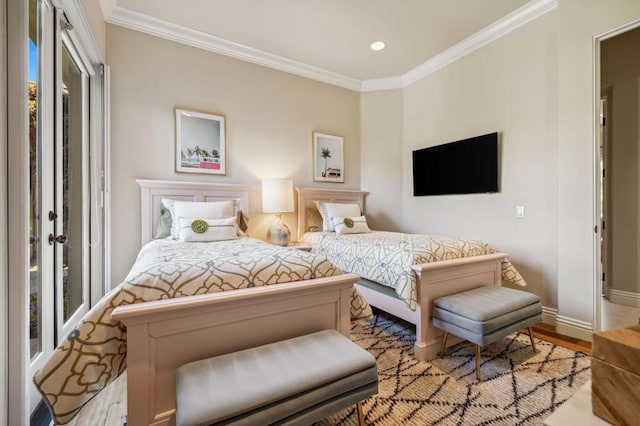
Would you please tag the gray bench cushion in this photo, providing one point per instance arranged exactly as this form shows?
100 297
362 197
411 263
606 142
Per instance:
486 314
485 303
270 382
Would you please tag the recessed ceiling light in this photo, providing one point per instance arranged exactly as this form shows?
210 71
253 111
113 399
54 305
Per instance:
377 45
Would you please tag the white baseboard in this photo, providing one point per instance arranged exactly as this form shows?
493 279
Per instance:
574 328
627 298
549 315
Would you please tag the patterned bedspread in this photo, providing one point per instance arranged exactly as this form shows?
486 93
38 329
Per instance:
386 257
95 352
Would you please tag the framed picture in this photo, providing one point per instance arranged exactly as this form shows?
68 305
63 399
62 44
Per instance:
200 142
328 158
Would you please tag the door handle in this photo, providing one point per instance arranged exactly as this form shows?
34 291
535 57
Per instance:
60 239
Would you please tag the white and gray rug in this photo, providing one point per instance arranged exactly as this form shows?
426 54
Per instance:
518 387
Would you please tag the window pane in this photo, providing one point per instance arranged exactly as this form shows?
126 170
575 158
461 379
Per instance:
35 285
72 184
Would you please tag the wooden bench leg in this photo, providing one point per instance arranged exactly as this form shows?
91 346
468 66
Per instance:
360 414
478 362
445 334
533 344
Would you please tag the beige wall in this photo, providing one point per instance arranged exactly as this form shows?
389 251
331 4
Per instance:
579 22
535 85
270 116
620 71
381 157
509 86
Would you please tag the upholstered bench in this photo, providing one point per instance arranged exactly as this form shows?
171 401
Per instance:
485 315
294 382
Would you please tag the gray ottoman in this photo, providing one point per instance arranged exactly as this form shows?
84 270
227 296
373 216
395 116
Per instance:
485 315
293 382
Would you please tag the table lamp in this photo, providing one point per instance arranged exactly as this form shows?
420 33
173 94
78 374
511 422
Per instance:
277 197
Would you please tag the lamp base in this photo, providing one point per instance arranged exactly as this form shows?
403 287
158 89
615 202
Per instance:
279 233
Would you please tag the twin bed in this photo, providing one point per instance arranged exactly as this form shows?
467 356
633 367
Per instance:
403 273
171 309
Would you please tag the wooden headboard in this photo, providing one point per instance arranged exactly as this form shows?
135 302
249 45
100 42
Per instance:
307 196
153 191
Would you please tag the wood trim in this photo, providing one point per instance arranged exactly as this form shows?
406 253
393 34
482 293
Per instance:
163 335
153 191
137 21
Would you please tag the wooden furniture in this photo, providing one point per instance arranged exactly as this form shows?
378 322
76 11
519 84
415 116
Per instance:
434 279
485 315
164 334
295 381
615 375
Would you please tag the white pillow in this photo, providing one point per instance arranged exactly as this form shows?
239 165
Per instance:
350 225
331 210
209 210
201 230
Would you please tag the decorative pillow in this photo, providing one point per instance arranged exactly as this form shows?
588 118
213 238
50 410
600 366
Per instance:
314 220
330 210
350 225
210 210
202 230
163 230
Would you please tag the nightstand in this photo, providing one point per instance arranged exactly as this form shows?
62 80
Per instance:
299 246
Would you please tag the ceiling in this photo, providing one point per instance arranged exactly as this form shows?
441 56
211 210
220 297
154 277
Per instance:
335 35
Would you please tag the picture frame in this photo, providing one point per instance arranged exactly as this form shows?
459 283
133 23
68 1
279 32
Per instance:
328 158
200 142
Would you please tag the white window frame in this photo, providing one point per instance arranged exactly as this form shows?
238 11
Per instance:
14 18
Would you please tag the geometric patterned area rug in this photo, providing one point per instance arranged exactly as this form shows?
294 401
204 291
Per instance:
518 387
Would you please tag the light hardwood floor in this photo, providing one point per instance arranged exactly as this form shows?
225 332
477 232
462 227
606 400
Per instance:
109 408
615 315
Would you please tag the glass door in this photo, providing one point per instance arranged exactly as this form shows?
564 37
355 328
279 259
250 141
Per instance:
41 192
59 187
71 239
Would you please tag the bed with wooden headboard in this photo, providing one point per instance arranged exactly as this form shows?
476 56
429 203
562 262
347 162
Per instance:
164 334
434 279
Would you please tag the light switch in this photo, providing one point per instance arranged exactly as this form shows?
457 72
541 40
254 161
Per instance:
519 212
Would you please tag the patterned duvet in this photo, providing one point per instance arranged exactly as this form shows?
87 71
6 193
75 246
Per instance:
386 257
95 352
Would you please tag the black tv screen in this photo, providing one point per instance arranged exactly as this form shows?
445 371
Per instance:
467 166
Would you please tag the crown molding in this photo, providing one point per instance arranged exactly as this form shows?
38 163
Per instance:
388 83
139 22
106 7
157 27
501 27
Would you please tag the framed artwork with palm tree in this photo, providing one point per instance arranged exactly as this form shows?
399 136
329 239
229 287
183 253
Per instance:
328 158
200 142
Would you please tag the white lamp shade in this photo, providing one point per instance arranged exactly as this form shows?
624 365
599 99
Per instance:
277 195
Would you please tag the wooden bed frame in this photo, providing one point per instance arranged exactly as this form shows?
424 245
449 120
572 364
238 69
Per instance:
434 279
165 334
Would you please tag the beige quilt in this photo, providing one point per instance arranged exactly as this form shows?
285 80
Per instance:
94 353
386 257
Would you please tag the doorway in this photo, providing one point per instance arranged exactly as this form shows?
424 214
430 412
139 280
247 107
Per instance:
618 176
58 185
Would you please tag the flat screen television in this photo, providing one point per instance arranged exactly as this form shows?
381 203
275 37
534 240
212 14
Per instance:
468 166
